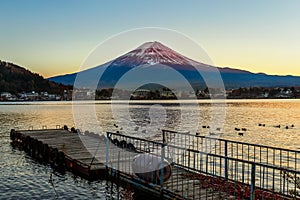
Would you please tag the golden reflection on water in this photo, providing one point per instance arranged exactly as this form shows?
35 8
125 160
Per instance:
250 113
239 114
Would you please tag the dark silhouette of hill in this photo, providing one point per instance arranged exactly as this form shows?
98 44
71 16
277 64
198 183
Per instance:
14 79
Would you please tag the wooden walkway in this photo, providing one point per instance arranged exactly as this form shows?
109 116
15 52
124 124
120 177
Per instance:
65 150
85 155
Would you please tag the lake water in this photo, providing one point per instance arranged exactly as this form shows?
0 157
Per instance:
22 178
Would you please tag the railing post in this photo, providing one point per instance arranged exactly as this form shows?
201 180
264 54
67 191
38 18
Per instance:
252 192
164 136
226 159
107 149
162 165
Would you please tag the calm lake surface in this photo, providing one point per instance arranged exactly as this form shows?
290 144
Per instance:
23 178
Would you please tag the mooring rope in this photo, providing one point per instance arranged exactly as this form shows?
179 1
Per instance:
52 184
94 156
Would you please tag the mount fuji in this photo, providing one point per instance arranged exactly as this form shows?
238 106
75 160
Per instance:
155 55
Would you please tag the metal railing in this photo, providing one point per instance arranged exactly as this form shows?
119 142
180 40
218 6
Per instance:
198 174
245 151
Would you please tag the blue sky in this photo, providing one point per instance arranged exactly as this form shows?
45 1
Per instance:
54 37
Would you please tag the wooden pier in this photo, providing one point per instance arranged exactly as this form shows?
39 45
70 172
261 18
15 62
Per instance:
66 150
92 156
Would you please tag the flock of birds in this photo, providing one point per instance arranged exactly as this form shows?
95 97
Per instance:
240 131
279 126
135 129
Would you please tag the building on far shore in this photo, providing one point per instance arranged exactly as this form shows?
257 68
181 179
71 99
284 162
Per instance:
7 96
141 94
30 96
35 96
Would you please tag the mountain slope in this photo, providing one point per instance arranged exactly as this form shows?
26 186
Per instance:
154 54
14 79
67 79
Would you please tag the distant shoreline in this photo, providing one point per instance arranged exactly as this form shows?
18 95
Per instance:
82 100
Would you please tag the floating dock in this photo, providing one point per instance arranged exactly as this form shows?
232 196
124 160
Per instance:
66 150
63 149
231 171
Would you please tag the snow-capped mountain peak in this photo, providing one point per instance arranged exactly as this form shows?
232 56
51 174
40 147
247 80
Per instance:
152 53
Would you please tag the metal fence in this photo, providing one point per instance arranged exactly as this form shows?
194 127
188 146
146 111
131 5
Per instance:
231 170
245 151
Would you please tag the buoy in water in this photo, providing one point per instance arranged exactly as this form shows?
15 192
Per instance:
123 144
34 150
73 130
40 150
116 142
53 156
27 144
61 160
45 152
130 147
12 134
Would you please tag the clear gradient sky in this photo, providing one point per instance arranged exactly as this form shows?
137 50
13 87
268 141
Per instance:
53 37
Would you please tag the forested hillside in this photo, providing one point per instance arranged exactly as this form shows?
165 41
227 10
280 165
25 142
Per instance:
14 79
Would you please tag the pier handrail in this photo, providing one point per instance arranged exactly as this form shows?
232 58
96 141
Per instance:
258 178
198 151
282 157
210 154
226 140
